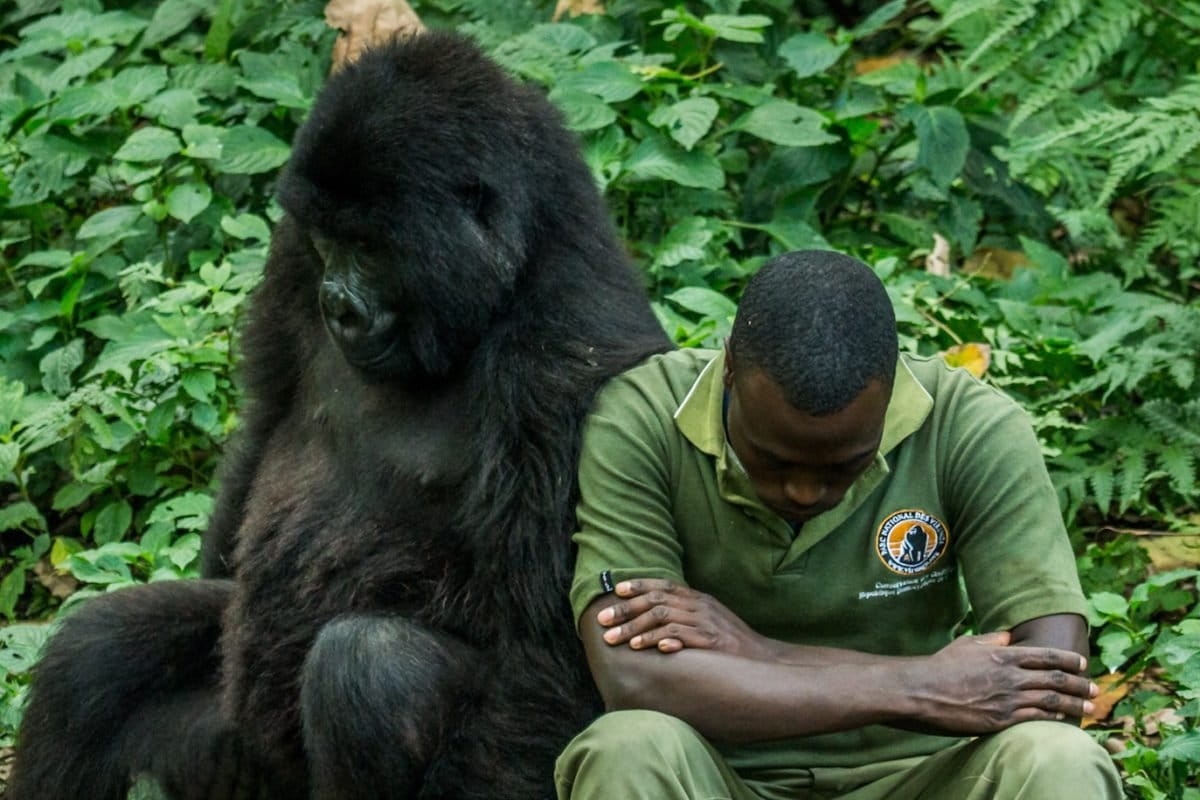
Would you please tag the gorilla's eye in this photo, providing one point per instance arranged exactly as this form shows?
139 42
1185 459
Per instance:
476 198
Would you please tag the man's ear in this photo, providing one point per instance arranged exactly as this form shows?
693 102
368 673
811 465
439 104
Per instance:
727 376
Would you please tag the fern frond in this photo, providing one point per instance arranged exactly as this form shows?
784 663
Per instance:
1051 22
958 10
1133 472
1180 464
1176 218
1095 37
1102 482
1015 15
1173 421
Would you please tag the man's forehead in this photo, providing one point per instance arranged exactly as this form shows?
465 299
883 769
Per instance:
775 425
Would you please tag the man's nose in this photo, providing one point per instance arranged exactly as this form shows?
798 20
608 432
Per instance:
804 490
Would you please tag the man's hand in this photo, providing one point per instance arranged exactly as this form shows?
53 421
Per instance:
981 684
654 613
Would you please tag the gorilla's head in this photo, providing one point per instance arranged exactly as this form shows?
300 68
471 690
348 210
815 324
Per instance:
415 178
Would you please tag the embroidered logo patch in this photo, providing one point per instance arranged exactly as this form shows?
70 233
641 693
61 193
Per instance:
909 542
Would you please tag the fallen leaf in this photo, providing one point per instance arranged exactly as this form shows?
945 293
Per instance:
1172 551
1113 687
1168 717
576 7
868 65
993 262
363 23
974 357
60 584
938 260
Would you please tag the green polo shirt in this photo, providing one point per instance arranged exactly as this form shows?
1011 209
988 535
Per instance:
956 509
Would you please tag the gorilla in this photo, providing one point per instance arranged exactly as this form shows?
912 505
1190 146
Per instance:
383 608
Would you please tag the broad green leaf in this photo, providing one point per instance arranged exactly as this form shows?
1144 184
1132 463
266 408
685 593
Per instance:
704 301
1181 747
149 144
796 235
16 514
611 81
199 383
943 141
109 221
105 569
202 141
810 53
584 112
174 108
57 366
187 200
1115 648
878 18
71 495
658 158
688 120
189 511
79 66
204 416
248 150
1109 604
786 123
685 241
272 77
10 453
112 522
134 85
132 338
11 589
171 17
184 552
738 28
246 226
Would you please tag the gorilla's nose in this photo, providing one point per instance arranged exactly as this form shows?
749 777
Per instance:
346 314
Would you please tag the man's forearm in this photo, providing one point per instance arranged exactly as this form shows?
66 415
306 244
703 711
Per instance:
731 698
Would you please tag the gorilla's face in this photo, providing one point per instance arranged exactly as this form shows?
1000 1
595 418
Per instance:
418 210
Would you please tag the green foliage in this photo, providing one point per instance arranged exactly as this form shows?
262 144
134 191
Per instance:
140 142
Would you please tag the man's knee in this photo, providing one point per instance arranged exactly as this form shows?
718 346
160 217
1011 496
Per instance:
1055 755
636 745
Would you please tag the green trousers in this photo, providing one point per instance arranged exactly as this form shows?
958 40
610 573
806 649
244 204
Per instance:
646 754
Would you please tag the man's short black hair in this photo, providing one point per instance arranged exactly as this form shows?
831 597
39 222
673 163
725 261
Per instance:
820 325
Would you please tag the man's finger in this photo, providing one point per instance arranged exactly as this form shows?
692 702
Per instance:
638 586
1047 658
1055 702
1059 681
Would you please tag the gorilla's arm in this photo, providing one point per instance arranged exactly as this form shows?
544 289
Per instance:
274 347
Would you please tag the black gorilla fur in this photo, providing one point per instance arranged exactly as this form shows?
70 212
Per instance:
383 610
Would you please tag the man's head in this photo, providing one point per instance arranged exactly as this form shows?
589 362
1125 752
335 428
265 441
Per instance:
810 366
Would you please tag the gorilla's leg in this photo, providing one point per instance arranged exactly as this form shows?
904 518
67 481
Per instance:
377 695
531 702
127 686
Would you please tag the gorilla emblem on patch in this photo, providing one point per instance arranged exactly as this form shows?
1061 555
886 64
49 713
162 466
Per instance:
909 542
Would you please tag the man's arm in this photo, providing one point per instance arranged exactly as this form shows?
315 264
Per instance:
734 685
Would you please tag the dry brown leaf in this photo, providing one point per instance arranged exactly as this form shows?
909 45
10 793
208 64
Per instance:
938 260
993 262
1113 687
1172 551
363 23
974 357
576 7
60 584
1168 717
868 65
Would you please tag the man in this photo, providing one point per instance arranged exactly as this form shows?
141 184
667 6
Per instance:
776 544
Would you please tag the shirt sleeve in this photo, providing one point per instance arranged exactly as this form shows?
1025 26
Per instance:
1016 559
625 524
